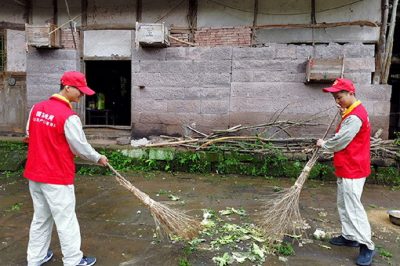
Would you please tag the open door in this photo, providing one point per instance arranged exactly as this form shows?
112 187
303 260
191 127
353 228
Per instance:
111 105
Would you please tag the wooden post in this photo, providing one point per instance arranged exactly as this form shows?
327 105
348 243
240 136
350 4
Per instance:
70 23
313 22
313 19
389 43
380 51
28 11
192 15
84 8
55 12
138 10
253 29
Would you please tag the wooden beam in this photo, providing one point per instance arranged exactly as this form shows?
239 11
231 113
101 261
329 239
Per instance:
84 8
109 27
12 26
55 12
380 51
364 23
389 44
313 19
28 11
139 5
192 18
253 29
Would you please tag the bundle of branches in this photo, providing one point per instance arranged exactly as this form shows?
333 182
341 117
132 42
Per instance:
252 138
385 148
256 144
231 140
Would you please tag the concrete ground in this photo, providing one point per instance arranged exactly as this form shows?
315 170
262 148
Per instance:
118 230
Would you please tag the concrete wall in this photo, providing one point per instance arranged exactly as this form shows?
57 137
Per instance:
215 88
13 102
13 84
11 12
111 12
44 70
226 13
16 54
108 43
173 13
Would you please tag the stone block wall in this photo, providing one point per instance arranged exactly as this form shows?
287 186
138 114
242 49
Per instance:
44 70
219 87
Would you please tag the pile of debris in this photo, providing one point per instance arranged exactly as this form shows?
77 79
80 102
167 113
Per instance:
263 139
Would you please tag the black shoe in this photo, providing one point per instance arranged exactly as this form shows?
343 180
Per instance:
366 255
341 241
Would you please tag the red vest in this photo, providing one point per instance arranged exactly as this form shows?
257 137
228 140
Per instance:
50 159
354 160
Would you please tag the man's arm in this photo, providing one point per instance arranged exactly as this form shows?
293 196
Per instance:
349 128
78 143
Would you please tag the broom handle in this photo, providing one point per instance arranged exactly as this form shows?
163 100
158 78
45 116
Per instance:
330 125
128 185
115 171
325 134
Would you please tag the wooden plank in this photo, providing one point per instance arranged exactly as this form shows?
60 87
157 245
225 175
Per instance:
324 69
38 35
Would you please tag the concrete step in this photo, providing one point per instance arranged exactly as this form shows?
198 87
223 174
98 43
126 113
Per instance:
107 134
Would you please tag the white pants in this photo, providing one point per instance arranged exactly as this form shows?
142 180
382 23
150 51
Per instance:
355 225
53 203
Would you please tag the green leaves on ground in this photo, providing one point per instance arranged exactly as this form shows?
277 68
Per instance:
232 240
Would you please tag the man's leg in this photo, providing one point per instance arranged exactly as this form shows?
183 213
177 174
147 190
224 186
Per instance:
340 202
357 227
344 218
61 200
41 226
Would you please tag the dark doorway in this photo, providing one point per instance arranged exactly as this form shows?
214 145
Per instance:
111 105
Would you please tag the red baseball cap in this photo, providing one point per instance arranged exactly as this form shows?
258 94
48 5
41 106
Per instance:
76 79
341 85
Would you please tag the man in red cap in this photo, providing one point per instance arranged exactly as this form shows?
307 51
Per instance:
55 136
351 147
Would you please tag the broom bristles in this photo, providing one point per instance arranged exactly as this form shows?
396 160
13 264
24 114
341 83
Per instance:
167 220
281 214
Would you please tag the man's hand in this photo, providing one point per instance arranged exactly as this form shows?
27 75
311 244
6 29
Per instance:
320 143
103 160
341 109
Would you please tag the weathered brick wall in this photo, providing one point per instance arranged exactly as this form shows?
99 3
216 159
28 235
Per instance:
215 88
67 40
234 36
180 36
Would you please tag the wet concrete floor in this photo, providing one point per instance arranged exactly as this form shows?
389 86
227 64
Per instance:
118 230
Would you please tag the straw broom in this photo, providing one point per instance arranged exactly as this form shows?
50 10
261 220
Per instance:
167 220
281 214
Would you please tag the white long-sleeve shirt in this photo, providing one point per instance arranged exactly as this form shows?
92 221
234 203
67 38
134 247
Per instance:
349 128
76 139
